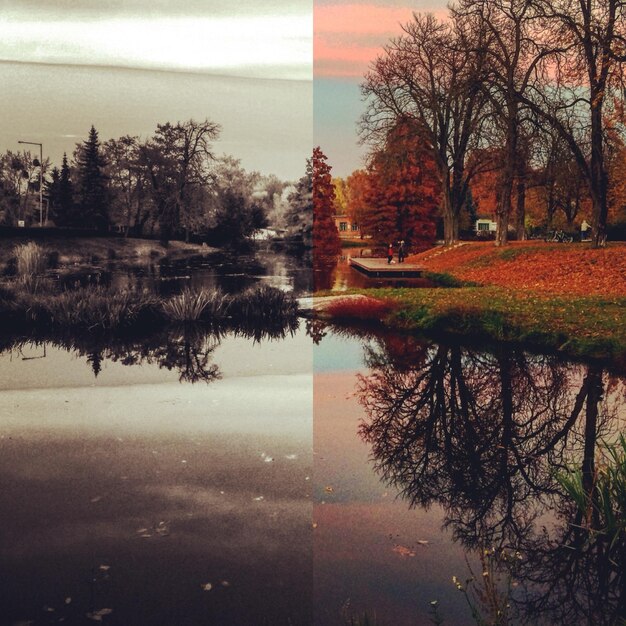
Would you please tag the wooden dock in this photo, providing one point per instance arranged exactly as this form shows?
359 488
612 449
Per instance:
379 268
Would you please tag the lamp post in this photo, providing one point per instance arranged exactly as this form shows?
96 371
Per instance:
34 143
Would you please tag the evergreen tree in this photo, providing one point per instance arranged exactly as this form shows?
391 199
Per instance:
51 192
403 190
66 213
326 241
94 205
299 215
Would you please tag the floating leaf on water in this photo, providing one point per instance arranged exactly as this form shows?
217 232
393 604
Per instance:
259 499
225 583
68 600
314 525
97 616
162 529
104 568
328 489
422 542
403 551
96 499
206 587
291 457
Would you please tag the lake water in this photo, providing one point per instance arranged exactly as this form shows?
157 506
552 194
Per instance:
231 273
315 477
295 483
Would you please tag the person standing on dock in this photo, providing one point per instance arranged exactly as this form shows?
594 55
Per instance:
401 252
390 253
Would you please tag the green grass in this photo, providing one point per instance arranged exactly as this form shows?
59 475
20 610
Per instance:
443 279
589 326
603 504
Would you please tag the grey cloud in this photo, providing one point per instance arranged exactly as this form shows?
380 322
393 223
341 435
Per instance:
102 8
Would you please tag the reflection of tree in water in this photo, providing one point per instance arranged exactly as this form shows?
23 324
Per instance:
187 349
482 434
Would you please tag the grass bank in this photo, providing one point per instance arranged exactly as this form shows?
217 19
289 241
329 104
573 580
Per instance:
567 298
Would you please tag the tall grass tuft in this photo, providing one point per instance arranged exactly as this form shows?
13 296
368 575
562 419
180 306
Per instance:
602 504
90 307
31 262
266 305
194 305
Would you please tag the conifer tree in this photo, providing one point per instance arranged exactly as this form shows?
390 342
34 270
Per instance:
326 241
403 190
92 184
299 216
66 212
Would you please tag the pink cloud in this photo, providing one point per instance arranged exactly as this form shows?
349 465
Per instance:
340 32
360 19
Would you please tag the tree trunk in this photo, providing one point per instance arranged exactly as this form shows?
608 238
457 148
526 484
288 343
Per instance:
520 213
599 178
450 220
503 211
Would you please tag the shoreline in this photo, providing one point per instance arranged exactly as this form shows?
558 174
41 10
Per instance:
580 327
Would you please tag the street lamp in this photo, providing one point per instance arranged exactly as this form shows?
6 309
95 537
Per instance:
34 143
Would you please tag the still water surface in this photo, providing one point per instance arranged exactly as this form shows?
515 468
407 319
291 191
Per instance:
299 498
310 478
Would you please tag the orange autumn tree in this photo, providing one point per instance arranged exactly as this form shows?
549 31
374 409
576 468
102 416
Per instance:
357 184
402 191
326 242
325 236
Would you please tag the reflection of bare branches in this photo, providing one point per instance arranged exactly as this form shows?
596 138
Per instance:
481 434
316 329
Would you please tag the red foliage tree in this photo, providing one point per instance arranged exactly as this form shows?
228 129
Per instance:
326 241
403 190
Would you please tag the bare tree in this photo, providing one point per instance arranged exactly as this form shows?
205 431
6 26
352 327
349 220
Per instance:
428 75
178 158
582 80
513 57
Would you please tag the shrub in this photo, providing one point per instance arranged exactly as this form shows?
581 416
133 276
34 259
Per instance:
362 308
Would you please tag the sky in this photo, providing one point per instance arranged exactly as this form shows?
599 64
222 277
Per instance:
126 65
301 63
268 39
348 36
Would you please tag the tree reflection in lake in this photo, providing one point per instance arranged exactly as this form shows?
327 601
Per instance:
482 434
187 349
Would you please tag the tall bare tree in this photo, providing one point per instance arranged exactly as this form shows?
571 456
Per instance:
582 81
178 158
513 57
429 76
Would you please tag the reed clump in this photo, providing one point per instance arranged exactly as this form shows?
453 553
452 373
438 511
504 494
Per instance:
31 262
195 305
265 305
92 307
